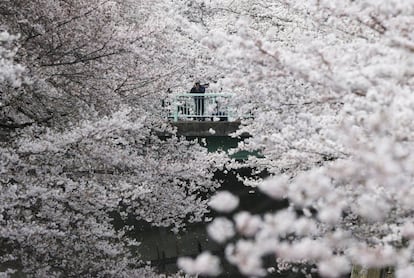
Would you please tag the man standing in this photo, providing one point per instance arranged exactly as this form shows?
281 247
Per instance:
198 100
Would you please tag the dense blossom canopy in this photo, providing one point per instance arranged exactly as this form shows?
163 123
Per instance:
329 85
81 84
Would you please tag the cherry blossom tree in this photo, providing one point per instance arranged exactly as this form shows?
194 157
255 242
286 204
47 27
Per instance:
88 137
93 56
329 84
60 189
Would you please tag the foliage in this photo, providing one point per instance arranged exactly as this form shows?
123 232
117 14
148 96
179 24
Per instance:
78 152
330 85
58 192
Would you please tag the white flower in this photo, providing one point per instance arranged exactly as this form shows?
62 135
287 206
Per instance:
221 229
247 257
276 188
224 201
408 230
405 272
334 267
330 214
372 208
204 264
247 224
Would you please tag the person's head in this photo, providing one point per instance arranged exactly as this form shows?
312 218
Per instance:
197 84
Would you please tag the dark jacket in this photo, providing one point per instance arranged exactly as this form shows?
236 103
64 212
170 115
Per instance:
201 90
